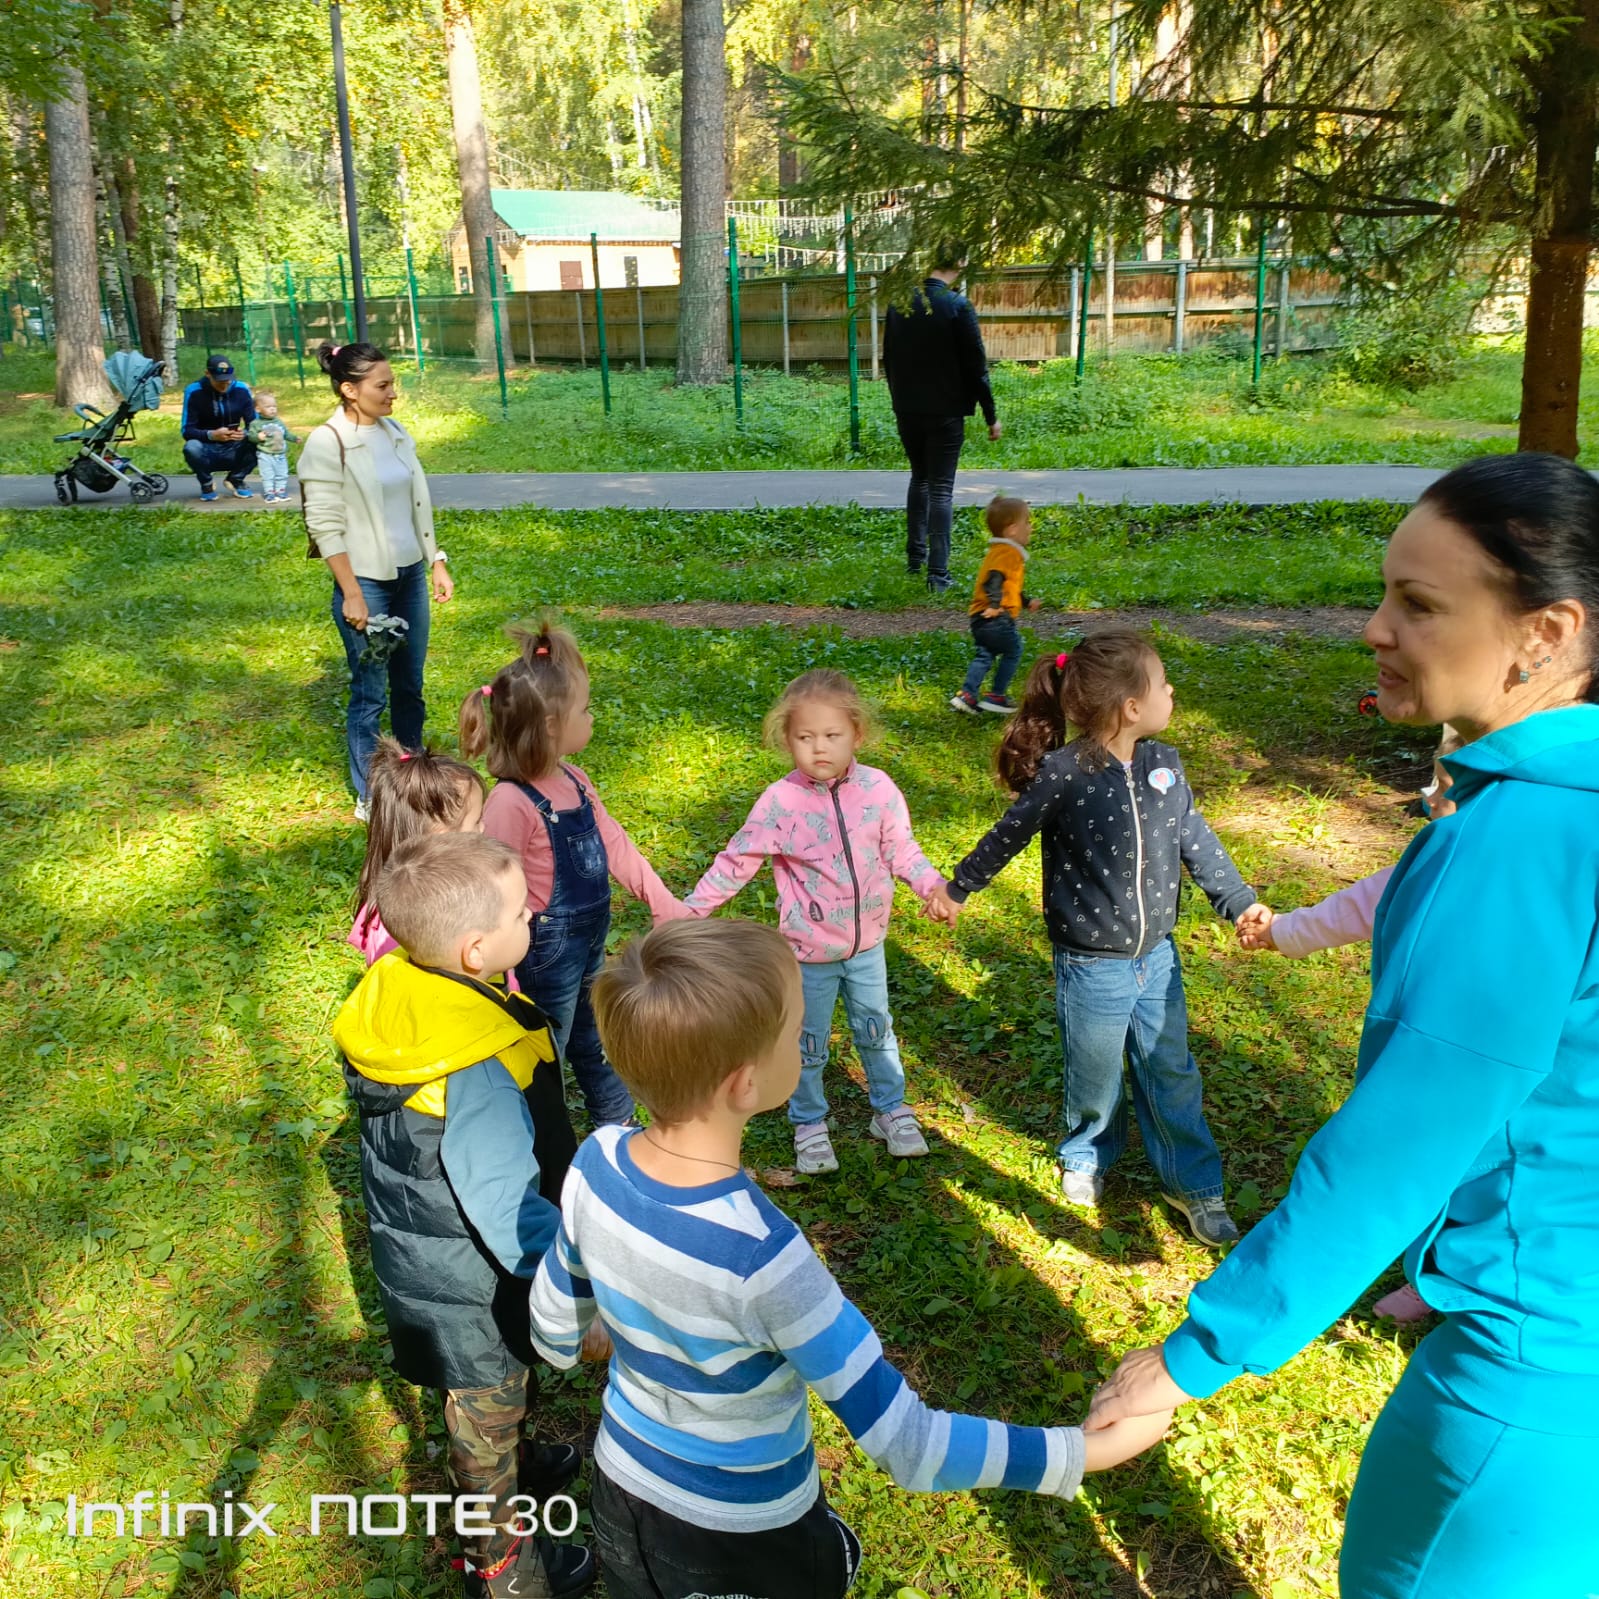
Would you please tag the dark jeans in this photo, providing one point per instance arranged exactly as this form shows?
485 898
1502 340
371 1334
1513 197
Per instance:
565 954
397 681
933 448
234 461
995 639
647 1554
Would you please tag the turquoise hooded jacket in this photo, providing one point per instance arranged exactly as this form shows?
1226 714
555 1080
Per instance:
1470 1142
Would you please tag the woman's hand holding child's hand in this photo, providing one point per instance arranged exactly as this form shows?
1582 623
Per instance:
596 1342
1254 927
1121 1440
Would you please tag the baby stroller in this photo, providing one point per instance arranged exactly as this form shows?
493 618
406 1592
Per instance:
99 465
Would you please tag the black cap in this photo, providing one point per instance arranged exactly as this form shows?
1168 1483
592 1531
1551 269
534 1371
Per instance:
219 366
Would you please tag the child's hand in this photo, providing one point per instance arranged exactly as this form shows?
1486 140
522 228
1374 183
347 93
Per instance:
597 1343
1121 1440
1034 605
941 908
992 611
1254 927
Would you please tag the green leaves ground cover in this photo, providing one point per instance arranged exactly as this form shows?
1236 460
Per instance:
187 1302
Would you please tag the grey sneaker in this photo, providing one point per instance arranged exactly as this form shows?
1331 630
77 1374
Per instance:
361 812
961 701
1207 1220
813 1149
900 1130
1079 1188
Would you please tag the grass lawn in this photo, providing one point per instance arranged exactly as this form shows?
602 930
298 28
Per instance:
187 1298
1133 411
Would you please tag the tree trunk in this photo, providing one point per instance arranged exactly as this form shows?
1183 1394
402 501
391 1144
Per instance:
1566 127
171 226
115 305
702 299
74 259
472 165
146 302
790 169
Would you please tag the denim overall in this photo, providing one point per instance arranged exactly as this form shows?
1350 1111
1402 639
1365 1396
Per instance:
566 950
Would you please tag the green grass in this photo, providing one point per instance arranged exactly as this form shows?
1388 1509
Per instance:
187 1297
1201 410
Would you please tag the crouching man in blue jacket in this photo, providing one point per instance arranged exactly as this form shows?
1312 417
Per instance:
216 411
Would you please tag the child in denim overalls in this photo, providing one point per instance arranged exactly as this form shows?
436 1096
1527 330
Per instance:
535 713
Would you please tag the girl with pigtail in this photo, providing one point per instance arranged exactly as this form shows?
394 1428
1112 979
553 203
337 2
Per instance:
1118 825
410 792
527 721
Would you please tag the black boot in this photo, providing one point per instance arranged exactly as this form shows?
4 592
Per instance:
535 1568
545 1469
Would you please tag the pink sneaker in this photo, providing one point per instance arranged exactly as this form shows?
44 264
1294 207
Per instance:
1403 1305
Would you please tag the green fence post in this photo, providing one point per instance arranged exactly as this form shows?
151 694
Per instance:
599 325
499 340
416 322
244 318
738 334
849 327
344 294
1260 300
294 323
1082 307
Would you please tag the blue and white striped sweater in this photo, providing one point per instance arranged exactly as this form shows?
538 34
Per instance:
721 1314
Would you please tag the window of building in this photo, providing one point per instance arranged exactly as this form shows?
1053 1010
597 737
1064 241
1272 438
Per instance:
571 274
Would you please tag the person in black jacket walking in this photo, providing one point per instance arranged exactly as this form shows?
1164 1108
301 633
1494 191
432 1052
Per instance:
937 375
1118 825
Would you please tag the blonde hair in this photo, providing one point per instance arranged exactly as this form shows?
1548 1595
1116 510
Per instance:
508 720
1005 511
438 888
826 685
688 1003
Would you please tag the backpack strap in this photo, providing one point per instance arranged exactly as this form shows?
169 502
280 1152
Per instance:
312 553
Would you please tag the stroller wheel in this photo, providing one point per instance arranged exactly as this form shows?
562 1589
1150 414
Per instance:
158 483
142 493
62 492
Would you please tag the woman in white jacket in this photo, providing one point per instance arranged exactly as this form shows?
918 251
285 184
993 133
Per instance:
368 511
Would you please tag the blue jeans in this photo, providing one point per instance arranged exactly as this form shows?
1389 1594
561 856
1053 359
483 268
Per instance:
864 980
274 473
566 954
995 639
933 447
204 457
1107 1008
398 681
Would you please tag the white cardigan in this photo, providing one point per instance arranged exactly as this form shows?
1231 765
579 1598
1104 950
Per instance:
344 500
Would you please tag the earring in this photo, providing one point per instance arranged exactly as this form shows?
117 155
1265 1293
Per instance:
1524 676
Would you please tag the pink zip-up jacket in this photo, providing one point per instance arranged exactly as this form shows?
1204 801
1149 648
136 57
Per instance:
1346 917
835 850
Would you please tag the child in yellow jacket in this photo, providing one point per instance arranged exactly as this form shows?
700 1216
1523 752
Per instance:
997 600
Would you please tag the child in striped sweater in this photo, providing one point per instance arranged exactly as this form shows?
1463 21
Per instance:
722 1314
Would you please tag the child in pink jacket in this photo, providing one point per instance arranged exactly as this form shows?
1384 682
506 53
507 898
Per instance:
1348 917
837 835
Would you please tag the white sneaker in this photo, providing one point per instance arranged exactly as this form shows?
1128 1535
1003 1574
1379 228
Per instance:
813 1149
900 1130
360 810
1078 1188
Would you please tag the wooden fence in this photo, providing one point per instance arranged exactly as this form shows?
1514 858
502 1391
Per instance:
797 322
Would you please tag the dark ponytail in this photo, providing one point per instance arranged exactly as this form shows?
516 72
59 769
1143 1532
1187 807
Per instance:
1084 688
347 363
1537 518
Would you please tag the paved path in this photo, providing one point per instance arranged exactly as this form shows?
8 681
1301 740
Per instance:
741 491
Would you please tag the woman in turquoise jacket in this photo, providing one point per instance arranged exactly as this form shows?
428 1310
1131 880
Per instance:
1470 1142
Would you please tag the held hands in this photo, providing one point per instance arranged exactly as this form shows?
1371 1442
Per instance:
1139 1389
939 907
1105 1447
1254 927
1034 605
443 584
226 435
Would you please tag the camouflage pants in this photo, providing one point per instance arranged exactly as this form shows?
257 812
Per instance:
485 1427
